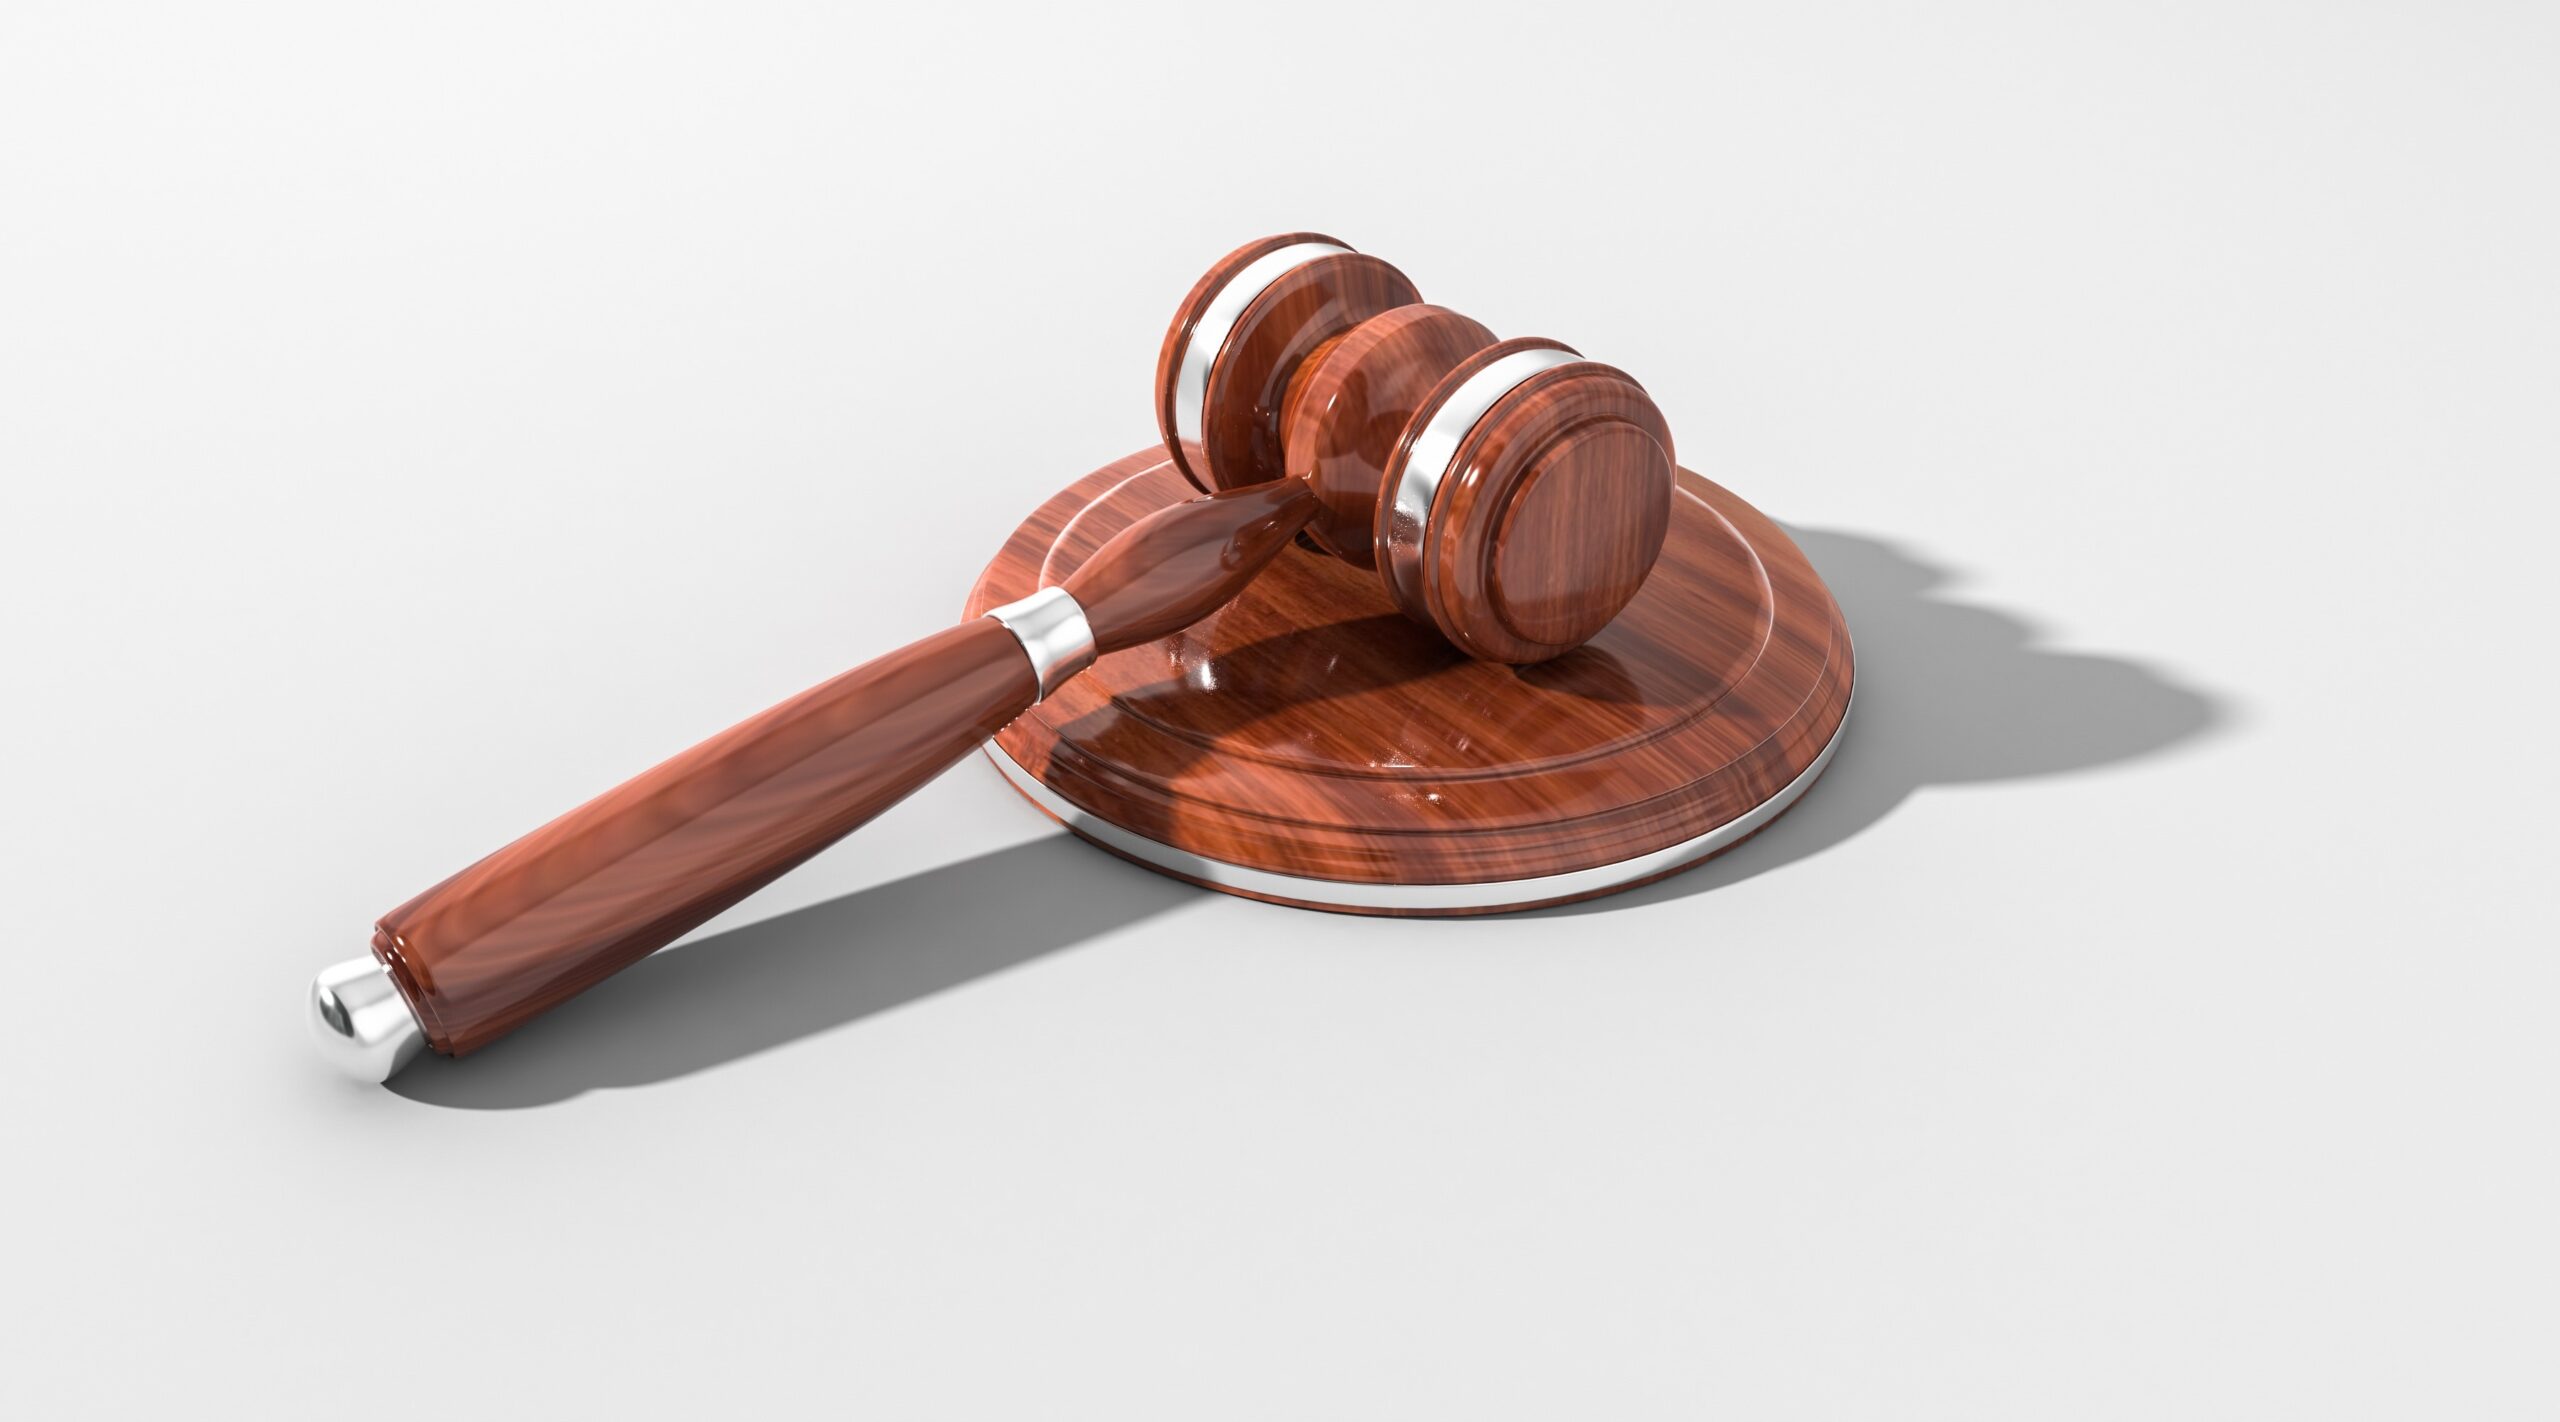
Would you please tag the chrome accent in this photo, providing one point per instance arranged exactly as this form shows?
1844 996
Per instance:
363 1025
1051 627
1218 321
1330 893
1426 463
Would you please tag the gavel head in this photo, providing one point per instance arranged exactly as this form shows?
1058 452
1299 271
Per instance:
1509 493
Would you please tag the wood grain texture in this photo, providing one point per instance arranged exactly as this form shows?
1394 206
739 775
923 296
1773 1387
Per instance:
1391 534
1186 318
1583 527
1308 728
1550 516
1547 519
1298 313
642 864
1179 564
1347 407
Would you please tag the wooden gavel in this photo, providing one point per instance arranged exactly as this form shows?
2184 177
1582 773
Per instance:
1510 494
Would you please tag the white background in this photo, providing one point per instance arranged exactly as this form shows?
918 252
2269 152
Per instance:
416 418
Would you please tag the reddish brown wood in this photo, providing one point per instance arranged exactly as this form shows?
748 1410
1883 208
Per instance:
1391 535
1307 728
630 871
1316 735
1179 564
1580 533
1306 307
1348 406
1186 318
1550 516
1334 371
635 868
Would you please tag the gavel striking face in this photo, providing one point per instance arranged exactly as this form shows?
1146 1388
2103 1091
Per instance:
1508 493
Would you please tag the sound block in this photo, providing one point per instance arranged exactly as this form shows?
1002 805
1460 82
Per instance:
1308 745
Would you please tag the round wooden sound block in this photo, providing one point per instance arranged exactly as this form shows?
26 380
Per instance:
1309 745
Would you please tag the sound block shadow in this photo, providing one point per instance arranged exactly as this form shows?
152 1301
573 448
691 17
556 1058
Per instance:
734 994
1948 693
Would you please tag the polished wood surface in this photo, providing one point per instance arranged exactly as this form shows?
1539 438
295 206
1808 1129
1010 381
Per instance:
1393 535
642 864
1297 314
1550 516
1186 318
1347 407
1307 728
1578 537
627 873
1256 701
1178 564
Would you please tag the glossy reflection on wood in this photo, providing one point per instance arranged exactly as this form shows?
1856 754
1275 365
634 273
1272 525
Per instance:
1308 729
627 873
1289 321
1518 544
644 863
1255 703
1550 515
1189 458
1176 565
1347 408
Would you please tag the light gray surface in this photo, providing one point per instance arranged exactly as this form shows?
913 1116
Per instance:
415 419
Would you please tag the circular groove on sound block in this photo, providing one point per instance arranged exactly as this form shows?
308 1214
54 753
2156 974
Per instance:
1309 745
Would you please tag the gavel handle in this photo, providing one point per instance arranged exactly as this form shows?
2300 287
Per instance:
632 870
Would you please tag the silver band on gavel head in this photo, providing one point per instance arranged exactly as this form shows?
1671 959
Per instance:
1218 321
1051 627
1405 515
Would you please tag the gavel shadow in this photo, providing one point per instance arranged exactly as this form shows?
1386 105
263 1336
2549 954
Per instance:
1948 693
750 989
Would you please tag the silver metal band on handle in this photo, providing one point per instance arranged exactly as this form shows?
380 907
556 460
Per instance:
1218 321
1426 462
1052 629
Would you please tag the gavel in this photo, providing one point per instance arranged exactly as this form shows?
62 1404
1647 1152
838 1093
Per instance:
1507 493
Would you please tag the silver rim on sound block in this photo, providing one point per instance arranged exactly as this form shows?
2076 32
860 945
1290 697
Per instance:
1218 321
1335 893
